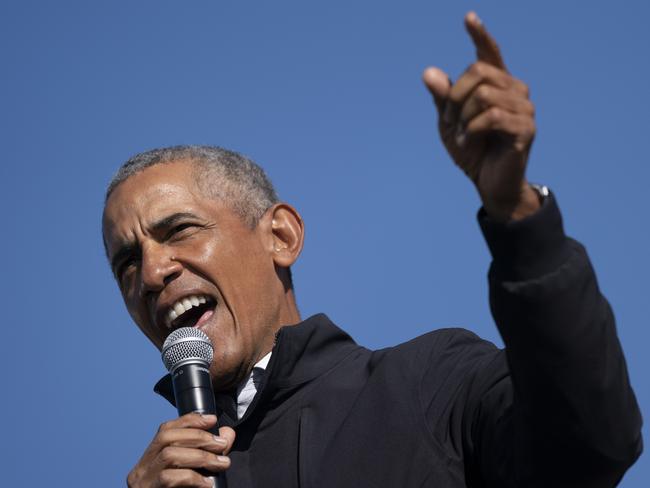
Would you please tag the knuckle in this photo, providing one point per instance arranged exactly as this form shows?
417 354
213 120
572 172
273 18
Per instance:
531 109
532 128
478 69
166 478
495 114
483 93
131 479
167 456
206 421
209 459
162 437
523 88
202 438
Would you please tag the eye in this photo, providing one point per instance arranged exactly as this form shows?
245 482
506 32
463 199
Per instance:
125 266
179 229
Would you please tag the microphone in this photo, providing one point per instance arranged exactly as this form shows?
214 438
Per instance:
187 354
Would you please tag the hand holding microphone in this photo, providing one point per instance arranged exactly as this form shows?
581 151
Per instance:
186 448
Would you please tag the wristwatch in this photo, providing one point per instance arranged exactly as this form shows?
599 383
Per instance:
542 191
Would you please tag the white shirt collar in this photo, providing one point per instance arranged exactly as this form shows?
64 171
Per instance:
247 389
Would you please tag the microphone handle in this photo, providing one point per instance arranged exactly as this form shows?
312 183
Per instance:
193 393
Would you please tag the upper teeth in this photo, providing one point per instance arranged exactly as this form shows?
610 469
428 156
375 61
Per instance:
182 306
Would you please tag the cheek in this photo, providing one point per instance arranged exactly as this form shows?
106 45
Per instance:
130 296
236 260
139 313
240 268
248 272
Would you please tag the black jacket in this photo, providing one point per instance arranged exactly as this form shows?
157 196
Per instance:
448 409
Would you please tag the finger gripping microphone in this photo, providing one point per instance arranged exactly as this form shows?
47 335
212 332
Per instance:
187 354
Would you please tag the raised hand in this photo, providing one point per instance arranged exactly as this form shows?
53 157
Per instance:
487 124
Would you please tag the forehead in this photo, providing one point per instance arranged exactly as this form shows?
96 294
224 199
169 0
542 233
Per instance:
150 195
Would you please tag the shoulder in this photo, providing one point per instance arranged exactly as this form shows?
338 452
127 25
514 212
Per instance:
450 343
446 355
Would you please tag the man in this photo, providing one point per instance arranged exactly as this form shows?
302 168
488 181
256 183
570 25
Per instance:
197 237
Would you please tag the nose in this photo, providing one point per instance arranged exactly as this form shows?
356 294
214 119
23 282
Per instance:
159 267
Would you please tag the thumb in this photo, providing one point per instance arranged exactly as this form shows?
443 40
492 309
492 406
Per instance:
438 84
229 434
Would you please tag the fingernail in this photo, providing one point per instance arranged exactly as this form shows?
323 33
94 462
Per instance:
211 482
220 441
223 459
208 416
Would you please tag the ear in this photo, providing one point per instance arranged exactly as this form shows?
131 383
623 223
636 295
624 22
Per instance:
287 233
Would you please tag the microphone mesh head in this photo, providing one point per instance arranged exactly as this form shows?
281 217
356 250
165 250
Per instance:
186 343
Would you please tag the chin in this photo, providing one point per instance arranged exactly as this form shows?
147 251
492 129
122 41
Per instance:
226 372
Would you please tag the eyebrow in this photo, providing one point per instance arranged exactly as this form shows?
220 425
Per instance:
170 220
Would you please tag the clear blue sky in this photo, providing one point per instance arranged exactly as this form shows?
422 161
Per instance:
327 97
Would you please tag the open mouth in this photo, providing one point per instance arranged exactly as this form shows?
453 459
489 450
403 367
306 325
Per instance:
191 311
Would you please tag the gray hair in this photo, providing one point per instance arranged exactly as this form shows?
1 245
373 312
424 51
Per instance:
221 174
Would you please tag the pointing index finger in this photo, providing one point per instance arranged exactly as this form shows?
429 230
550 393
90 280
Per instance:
487 49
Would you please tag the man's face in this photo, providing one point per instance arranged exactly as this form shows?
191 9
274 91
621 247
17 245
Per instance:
182 259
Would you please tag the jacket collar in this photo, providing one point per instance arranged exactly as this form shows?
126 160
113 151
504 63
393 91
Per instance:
301 353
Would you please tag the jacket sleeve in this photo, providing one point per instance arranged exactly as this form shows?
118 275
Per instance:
566 415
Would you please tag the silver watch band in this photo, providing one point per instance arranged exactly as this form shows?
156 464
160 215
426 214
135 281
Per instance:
542 191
